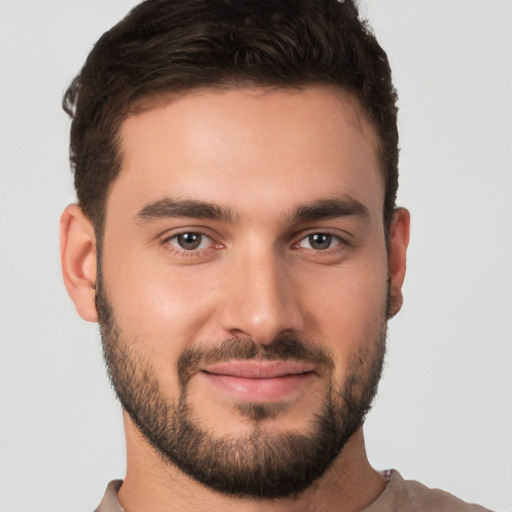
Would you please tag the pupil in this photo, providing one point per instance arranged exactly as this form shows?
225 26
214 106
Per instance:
320 241
189 241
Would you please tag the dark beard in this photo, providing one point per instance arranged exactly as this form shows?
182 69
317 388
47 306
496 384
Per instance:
261 464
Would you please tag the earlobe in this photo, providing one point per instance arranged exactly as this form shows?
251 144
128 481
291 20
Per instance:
78 260
397 257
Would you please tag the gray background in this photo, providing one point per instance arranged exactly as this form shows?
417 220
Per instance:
444 411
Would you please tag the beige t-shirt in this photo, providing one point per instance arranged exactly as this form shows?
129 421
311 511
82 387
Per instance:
400 495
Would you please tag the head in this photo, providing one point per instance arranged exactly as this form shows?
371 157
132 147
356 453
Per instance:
236 234
168 47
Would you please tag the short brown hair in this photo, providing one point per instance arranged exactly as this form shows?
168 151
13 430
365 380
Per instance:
175 45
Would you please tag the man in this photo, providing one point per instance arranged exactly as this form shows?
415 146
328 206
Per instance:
237 239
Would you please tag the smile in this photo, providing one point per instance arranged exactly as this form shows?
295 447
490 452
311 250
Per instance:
259 381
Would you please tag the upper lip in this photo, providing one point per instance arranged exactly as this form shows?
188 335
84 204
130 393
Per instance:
259 369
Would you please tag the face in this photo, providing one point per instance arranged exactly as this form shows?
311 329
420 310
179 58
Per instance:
243 291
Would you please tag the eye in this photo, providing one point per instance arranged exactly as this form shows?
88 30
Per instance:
320 241
190 241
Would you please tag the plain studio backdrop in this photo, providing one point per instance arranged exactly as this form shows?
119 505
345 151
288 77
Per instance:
444 410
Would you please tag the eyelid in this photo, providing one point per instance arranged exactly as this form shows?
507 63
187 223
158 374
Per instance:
176 251
203 240
336 238
174 232
343 236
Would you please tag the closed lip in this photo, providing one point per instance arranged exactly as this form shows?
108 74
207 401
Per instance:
259 381
259 369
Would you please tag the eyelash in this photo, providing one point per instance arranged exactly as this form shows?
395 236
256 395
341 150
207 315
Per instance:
175 250
340 242
184 253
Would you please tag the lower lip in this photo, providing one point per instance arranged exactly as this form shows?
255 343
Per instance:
259 390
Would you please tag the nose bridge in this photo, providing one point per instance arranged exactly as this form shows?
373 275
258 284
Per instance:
260 301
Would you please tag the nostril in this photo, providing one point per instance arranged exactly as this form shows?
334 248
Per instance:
238 333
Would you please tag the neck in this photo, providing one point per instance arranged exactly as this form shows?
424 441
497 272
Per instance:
151 484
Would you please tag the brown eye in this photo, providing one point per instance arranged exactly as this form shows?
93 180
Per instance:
190 241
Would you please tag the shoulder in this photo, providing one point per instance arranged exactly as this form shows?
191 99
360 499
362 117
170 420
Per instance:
109 502
412 496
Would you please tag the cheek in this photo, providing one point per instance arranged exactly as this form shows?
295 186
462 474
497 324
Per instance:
158 306
347 308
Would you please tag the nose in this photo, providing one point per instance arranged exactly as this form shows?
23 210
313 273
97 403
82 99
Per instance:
260 299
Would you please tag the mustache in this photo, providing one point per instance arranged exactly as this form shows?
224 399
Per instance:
283 348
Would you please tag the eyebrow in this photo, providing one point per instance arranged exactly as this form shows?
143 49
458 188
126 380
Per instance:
171 208
341 206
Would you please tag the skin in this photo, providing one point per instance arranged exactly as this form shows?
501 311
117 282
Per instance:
259 154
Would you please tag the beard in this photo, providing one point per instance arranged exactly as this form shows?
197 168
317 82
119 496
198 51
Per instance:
261 463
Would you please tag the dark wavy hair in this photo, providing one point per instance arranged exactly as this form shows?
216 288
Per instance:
165 46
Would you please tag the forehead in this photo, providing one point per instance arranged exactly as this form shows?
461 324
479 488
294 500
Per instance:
250 150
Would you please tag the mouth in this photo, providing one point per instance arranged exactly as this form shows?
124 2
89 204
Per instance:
259 381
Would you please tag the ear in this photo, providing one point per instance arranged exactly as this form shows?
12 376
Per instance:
78 260
397 250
